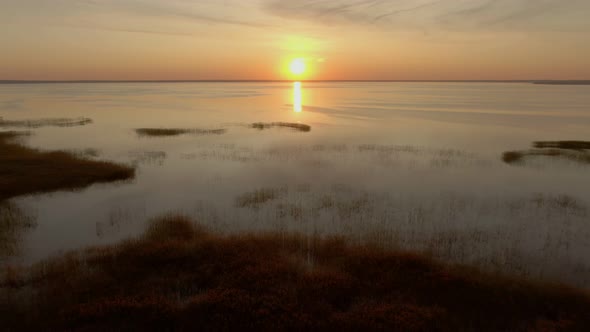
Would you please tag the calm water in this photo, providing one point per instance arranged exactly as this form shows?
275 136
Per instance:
406 165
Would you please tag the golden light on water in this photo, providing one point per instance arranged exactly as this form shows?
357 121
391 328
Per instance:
297 96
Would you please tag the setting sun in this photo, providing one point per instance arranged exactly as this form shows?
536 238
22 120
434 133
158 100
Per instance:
297 67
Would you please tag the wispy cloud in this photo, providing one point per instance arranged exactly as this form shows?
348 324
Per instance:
197 11
439 14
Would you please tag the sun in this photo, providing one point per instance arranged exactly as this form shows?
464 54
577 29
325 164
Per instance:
297 67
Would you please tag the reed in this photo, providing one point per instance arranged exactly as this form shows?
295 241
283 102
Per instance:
180 277
25 171
296 126
569 145
38 123
163 132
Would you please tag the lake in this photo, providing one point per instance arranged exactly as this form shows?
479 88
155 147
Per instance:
411 166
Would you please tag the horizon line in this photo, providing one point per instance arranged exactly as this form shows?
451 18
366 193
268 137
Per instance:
542 81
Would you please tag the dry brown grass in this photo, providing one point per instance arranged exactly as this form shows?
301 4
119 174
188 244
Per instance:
569 145
179 277
575 151
56 122
14 222
295 126
513 157
26 171
163 132
258 197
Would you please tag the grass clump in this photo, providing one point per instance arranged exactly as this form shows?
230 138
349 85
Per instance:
258 197
26 171
568 145
296 126
513 157
178 277
163 132
575 151
56 122
13 223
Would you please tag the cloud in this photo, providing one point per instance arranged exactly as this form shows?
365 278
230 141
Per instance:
197 11
440 14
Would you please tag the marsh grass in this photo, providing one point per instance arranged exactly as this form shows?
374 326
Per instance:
13 223
569 145
323 156
38 123
258 197
148 157
515 157
178 277
575 151
25 171
164 132
295 126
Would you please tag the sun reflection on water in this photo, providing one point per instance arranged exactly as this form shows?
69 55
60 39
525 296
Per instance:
297 104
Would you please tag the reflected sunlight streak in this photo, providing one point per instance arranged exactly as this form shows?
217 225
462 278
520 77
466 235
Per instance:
297 105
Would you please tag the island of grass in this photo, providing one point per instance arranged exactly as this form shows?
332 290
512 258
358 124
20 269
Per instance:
26 171
570 82
295 126
576 151
179 277
163 132
51 122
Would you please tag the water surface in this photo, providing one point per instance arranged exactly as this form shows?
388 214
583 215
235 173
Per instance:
406 165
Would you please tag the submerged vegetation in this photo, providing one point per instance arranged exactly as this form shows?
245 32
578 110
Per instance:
178 276
26 171
57 122
159 132
295 126
575 151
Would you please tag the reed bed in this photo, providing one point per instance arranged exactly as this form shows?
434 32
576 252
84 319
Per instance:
575 151
178 276
164 132
296 126
51 122
514 157
14 222
569 145
25 171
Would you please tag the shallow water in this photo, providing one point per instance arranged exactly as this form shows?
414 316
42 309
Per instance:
407 165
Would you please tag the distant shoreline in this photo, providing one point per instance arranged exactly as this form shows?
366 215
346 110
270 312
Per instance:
541 82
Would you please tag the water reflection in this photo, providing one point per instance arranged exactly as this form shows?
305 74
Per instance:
297 106
395 164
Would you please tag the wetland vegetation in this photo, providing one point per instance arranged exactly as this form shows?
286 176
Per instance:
575 151
163 132
295 126
38 123
178 276
26 171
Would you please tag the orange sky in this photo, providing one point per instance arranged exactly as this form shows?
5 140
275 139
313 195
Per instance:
345 39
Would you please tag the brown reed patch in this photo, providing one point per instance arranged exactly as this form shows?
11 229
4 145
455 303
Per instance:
13 223
163 132
258 197
179 277
26 171
514 157
568 145
38 123
296 126
575 151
